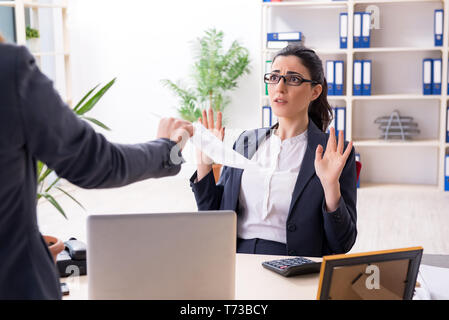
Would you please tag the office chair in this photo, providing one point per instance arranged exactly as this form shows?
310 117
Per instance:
358 166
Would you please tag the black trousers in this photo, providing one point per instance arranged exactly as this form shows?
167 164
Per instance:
261 246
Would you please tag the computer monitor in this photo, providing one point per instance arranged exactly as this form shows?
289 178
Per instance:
188 255
378 275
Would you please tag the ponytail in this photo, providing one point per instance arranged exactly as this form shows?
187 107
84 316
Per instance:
320 110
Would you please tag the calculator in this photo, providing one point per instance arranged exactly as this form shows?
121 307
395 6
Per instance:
293 266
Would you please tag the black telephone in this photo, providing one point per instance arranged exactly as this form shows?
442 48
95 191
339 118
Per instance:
72 261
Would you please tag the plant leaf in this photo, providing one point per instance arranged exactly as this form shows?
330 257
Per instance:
84 98
54 203
40 165
97 122
52 185
71 197
93 101
44 175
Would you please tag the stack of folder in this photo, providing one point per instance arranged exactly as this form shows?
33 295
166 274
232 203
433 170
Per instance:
362 78
338 120
279 40
334 77
362 29
431 76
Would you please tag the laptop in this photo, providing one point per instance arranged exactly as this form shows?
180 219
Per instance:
176 256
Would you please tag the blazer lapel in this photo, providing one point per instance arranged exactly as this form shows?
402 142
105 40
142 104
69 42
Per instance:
314 137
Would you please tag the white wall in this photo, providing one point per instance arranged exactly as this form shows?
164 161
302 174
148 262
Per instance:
141 42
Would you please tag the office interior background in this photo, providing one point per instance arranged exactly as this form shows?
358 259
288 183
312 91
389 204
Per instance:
401 200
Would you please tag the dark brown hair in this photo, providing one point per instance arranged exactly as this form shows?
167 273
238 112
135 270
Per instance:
320 112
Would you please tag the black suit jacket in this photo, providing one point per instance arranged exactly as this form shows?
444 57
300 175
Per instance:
35 124
311 230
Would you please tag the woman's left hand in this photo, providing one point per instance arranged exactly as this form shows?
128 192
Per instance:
329 167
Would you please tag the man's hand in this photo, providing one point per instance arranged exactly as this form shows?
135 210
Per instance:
176 130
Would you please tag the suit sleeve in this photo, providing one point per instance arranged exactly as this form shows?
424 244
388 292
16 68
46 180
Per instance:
340 226
67 144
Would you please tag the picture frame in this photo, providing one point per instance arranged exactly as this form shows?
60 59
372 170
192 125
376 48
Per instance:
376 275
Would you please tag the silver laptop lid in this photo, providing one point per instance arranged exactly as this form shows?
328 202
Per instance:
187 255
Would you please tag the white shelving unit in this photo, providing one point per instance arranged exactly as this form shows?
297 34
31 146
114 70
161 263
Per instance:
404 38
53 61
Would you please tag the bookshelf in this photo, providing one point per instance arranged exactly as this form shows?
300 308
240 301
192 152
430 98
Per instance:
54 57
403 39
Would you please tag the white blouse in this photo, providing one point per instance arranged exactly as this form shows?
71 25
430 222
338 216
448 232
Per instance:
265 195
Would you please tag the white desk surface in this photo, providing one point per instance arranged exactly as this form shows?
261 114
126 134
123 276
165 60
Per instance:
253 282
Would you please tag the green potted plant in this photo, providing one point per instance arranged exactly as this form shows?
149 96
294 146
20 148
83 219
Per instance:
44 183
32 37
214 73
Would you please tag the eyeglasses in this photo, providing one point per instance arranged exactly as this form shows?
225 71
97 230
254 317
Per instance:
289 79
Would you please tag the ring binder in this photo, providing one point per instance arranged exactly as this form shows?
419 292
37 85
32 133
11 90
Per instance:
357 29
366 83
343 30
427 76
366 25
338 82
330 77
357 88
436 81
438 27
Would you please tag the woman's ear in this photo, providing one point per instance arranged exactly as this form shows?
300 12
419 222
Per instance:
316 91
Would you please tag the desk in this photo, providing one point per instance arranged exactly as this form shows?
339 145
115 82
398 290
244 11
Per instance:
252 282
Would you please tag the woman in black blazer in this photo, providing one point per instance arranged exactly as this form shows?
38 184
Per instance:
304 203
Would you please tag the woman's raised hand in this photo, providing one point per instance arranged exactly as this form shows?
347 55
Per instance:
329 167
204 162
208 122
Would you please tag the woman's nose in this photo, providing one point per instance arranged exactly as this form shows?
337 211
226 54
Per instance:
281 86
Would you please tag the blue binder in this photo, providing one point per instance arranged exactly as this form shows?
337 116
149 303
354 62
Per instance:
446 175
436 76
357 158
357 76
266 117
447 125
330 77
284 36
427 76
338 77
344 30
438 27
340 121
366 24
357 29
366 83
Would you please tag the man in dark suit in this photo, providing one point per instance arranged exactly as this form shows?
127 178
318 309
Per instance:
35 124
